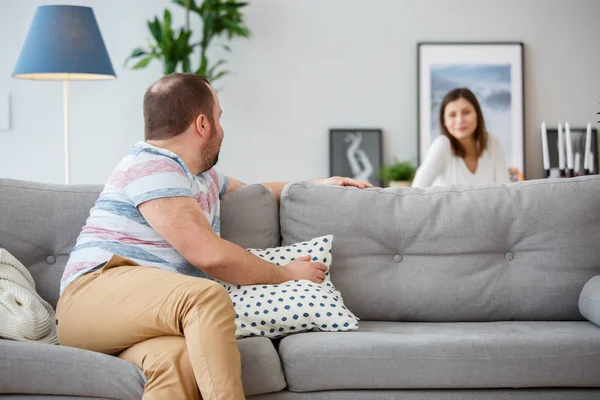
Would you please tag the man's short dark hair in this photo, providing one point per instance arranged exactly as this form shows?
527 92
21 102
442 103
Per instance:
174 102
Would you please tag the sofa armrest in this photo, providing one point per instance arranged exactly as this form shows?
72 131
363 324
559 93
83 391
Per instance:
589 300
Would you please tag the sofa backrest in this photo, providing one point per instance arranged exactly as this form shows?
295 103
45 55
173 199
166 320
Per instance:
519 251
39 224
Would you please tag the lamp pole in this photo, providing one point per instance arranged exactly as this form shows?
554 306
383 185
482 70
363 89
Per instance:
66 128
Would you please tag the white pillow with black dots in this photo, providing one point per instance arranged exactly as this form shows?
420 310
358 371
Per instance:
296 306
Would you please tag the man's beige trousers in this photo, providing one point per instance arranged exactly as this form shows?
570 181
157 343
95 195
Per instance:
178 329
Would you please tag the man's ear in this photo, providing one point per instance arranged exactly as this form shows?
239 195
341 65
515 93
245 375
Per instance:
202 126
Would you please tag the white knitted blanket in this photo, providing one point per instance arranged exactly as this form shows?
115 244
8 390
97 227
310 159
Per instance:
24 315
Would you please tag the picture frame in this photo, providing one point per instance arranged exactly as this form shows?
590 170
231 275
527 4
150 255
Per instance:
356 153
493 71
578 147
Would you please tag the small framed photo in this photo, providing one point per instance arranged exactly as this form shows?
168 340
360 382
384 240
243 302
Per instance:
578 149
356 153
493 72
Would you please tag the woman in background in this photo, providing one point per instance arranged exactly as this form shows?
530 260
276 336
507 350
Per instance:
465 153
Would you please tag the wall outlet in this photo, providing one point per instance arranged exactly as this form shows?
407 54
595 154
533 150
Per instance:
4 111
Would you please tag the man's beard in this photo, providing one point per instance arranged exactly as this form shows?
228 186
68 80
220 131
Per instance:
216 160
211 161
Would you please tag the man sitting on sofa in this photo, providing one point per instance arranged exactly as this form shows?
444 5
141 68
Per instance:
135 284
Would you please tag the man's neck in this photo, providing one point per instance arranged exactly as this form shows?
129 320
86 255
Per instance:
190 158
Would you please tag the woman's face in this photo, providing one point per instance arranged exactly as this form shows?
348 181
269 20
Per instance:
460 118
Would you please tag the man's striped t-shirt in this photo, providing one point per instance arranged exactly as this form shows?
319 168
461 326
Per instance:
116 226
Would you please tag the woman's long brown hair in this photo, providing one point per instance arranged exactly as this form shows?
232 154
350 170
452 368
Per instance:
481 136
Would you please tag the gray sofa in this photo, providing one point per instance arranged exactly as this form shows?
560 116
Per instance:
463 293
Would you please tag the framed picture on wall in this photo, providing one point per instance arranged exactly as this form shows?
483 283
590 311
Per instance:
578 149
356 153
493 72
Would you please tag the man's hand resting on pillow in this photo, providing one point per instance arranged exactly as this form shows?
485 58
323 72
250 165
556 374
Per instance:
303 268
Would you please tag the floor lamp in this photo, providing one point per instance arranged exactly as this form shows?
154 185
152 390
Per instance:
64 43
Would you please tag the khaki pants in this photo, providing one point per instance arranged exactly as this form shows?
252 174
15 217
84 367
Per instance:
178 329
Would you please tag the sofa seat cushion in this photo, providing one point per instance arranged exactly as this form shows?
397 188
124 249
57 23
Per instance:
261 367
33 368
398 355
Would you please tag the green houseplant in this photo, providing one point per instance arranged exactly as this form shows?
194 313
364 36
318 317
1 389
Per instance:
174 46
398 173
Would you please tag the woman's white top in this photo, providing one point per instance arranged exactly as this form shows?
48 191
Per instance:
442 168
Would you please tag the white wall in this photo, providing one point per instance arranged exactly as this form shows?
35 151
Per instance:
311 65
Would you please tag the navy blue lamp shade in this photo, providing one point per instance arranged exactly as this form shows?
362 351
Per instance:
64 43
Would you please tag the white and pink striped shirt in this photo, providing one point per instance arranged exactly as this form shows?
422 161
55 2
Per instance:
116 226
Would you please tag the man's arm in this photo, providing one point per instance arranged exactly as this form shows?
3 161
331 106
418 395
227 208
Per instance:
181 222
277 187
233 184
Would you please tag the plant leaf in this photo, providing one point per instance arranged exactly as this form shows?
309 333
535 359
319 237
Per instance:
198 9
180 46
212 69
167 35
169 67
192 3
167 19
143 63
234 6
202 68
137 52
209 28
233 29
185 65
219 75
154 28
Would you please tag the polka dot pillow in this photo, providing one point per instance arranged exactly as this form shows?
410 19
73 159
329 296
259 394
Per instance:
296 306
